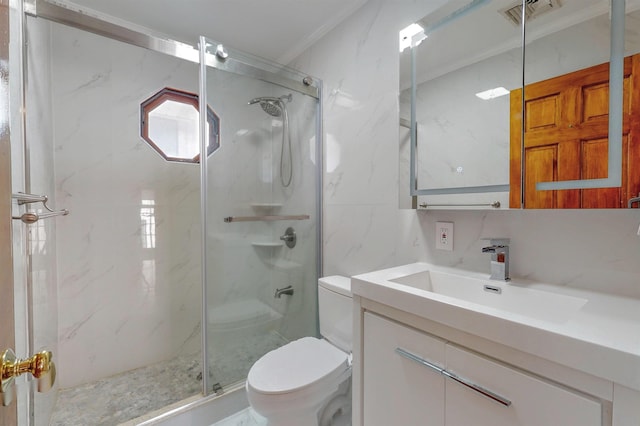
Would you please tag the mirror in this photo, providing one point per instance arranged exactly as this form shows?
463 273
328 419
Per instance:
579 129
469 150
464 71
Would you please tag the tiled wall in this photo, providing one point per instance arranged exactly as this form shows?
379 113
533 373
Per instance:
358 62
365 230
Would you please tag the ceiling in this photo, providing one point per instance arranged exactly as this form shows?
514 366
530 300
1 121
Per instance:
277 30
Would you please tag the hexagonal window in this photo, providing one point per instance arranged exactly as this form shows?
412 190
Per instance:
169 122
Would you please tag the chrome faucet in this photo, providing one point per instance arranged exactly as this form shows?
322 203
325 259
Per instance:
288 290
499 250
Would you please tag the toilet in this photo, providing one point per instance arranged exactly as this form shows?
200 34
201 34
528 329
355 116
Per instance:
307 382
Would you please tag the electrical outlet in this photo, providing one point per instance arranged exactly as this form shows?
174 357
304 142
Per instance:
444 236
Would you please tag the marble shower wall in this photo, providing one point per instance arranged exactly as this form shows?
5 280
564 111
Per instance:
363 228
129 293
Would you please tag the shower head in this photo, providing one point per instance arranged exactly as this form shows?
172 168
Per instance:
270 105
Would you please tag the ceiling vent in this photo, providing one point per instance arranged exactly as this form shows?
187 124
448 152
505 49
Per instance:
533 9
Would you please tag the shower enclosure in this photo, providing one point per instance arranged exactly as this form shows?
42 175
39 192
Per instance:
168 279
260 280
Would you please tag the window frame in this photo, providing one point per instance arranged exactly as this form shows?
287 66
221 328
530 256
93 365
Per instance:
169 94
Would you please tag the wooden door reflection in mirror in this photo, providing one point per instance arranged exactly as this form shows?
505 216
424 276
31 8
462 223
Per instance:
566 138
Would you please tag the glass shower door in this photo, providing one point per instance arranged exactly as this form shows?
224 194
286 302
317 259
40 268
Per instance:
260 206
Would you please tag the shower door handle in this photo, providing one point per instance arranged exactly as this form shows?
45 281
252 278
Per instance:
41 366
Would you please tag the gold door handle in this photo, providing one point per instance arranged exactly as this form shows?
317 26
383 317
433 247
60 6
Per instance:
40 366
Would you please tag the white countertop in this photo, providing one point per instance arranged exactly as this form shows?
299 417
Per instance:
602 338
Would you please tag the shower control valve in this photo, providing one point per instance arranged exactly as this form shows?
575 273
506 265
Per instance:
289 237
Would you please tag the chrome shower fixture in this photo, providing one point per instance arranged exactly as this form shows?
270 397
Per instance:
276 107
270 105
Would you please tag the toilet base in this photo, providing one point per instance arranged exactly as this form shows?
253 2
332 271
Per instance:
334 411
337 410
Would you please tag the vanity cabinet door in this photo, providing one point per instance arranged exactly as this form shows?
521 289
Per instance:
533 401
400 388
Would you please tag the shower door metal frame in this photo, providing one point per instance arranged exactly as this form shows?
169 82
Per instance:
236 62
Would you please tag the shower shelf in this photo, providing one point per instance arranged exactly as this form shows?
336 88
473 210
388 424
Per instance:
266 206
267 244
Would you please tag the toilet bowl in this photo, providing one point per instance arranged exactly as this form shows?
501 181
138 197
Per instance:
307 382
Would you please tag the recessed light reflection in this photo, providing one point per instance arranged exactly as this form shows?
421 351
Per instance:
492 93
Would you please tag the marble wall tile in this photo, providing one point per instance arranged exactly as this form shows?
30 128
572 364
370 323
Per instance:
358 62
589 249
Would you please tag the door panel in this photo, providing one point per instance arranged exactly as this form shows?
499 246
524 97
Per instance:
540 166
8 415
570 113
595 155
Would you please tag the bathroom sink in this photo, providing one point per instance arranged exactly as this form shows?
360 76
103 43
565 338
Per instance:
566 325
511 297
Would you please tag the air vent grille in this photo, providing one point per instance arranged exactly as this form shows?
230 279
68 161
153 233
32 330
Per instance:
533 9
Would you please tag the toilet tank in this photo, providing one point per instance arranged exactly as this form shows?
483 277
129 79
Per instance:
335 309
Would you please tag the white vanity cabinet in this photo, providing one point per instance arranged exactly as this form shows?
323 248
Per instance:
413 378
397 390
533 401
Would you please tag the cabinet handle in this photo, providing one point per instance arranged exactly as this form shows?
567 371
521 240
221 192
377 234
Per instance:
491 395
419 360
485 392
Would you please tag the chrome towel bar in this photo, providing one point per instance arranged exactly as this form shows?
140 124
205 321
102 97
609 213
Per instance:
495 205
33 217
264 218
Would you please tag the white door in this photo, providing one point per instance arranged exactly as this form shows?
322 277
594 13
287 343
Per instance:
10 129
8 415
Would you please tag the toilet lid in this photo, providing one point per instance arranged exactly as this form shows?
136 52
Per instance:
296 365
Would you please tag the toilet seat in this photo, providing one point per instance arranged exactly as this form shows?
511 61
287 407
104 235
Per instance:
296 366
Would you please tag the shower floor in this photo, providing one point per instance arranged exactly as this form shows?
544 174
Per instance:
132 394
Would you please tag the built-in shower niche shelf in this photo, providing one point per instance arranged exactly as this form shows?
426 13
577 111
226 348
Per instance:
267 244
266 207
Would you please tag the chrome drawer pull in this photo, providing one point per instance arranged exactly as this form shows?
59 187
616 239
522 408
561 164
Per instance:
491 395
419 360
494 396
